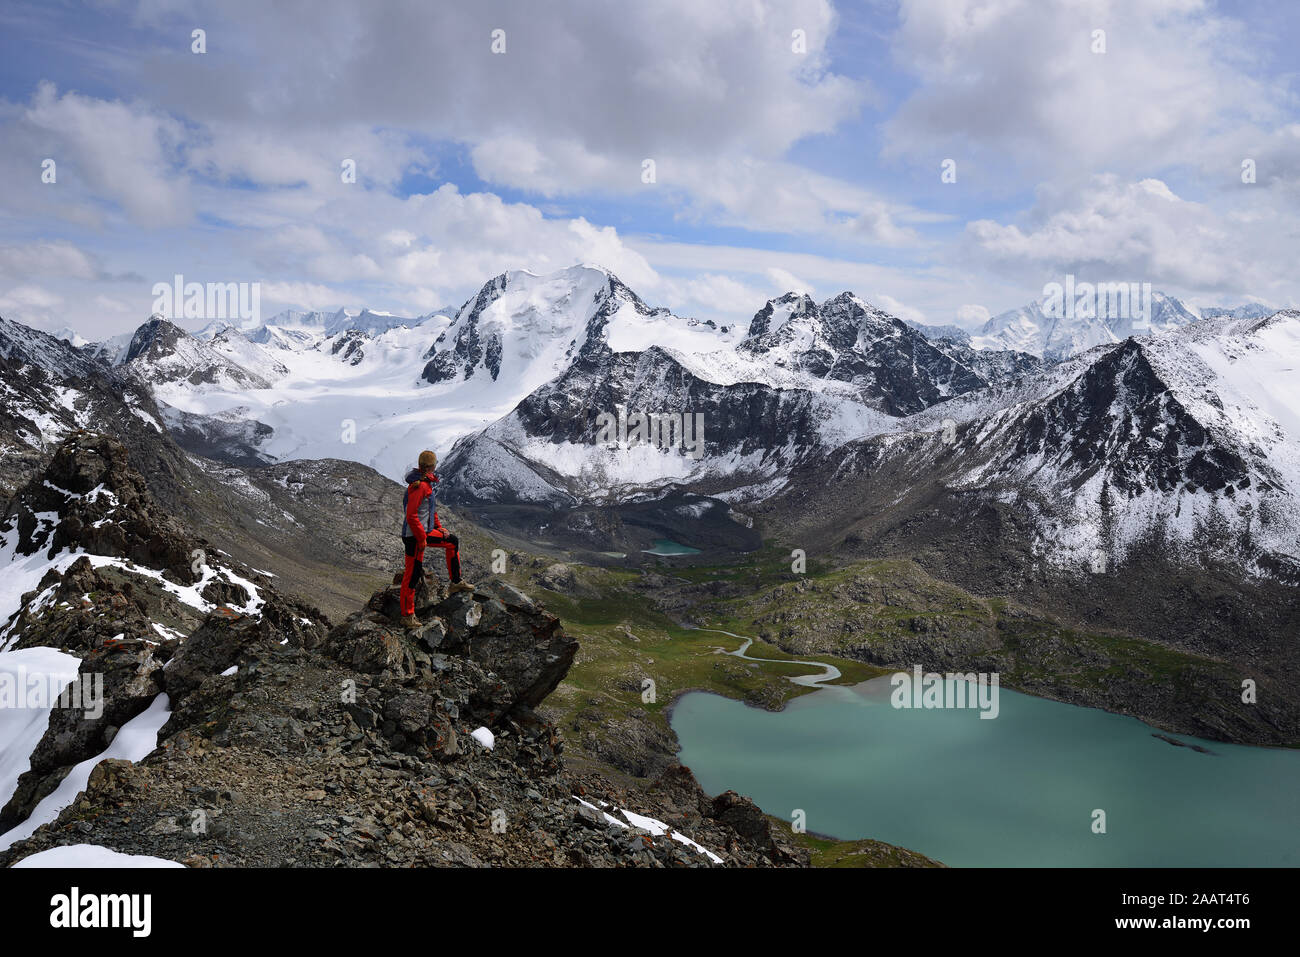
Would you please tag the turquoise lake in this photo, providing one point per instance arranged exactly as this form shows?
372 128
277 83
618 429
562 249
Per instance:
664 546
1015 791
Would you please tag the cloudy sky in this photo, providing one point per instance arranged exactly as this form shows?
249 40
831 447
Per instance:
796 144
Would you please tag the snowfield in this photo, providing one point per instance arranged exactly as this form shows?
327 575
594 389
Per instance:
92 855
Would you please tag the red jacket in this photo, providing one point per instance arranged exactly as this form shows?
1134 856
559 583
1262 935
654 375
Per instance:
420 507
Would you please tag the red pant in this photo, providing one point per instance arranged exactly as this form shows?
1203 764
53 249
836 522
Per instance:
437 538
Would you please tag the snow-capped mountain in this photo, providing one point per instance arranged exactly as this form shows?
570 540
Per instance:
320 324
1185 438
161 354
1038 330
806 377
889 365
72 337
1189 441
1251 310
372 387
23 346
528 328
111 350
548 450
257 394
933 332
993 366
215 328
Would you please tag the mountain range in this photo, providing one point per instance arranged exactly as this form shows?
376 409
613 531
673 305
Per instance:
1182 429
1056 334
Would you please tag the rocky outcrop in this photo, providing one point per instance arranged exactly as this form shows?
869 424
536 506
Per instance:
371 745
103 507
557 577
122 621
747 820
497 627
82 609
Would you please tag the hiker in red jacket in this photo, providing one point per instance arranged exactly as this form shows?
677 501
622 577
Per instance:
420 528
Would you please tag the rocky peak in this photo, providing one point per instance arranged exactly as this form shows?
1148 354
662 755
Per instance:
1122 418
994 366
350 346
90 498
24 346
894 367
154 338
465 351
775 314
849 321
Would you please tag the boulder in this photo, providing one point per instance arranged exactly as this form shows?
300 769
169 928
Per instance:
558 577
502 631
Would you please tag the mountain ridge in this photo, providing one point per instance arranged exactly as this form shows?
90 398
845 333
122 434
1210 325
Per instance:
230 715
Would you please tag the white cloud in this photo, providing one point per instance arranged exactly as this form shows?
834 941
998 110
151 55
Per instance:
1015 83
231 151
1112 230
301 295
712 295
31 305
712 92
787 281
156 176
430 248
929 292
57 258
896 308
125 153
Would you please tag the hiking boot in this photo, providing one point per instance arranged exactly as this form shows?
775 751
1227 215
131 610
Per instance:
459 586
410 622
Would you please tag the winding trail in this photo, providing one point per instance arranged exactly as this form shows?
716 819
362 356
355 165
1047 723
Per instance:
829 672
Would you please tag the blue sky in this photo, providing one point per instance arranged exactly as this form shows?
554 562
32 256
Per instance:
778 165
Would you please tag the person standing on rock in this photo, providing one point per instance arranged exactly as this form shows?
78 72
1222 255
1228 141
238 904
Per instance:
421 529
